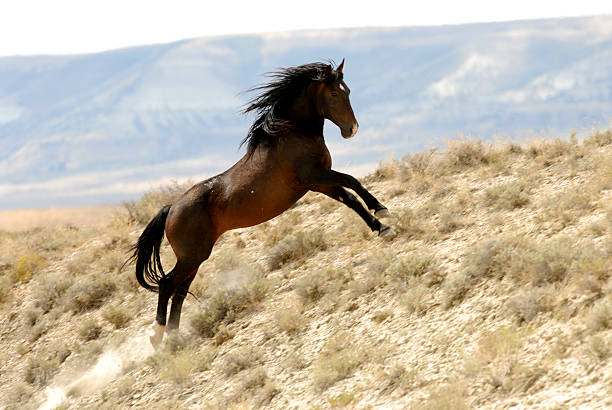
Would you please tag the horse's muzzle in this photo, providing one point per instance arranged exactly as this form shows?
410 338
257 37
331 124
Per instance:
350 133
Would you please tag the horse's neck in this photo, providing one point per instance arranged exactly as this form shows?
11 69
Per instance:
303 114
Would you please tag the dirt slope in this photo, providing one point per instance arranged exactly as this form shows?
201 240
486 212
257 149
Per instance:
496 293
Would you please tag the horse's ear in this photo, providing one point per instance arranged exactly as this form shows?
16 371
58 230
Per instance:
327 72
341 66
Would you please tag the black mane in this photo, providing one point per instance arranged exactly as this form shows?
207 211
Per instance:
285 85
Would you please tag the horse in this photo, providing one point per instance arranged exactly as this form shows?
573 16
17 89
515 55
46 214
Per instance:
286 157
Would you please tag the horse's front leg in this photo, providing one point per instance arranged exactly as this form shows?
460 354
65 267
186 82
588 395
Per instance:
329 177
342 195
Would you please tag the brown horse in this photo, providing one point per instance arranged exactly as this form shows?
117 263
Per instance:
286 157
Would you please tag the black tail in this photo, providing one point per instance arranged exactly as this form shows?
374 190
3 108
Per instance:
149 269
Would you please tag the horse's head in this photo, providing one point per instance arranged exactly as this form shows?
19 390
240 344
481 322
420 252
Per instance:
333 101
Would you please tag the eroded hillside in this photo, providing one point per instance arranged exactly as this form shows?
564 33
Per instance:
496 293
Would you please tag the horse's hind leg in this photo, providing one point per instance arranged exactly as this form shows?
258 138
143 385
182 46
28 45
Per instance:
167 287
177 301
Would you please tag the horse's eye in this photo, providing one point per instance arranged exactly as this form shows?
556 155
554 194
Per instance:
334 94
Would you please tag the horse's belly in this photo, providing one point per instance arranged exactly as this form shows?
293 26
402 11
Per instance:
255 208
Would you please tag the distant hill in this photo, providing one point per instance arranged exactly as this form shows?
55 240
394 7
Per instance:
96 128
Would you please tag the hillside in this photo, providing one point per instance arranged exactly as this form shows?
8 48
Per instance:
496 293
101 128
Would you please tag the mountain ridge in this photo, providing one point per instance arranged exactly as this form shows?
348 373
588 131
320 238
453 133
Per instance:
413 88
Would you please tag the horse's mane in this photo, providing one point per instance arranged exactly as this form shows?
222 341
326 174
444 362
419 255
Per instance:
285 85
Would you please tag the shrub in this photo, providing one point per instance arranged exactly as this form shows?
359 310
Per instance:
412 224
39 369
27 266
89 293
600 316
339 357
461 154
599 346
241 359
90 329
386 169
49 290
179 366
525 305
226 305
37 331
599 139
265 394
255 378
372 279
296 247
117 316
415 298
448 397
455 288
449 221
227 260
344 400
143 210
400 377
312 286
414 265
5 288
18 394
32 315
418 163
290 319
509 195
548 262
382 315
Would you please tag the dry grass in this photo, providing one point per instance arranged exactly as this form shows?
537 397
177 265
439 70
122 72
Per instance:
143 210
446 397
338 359
40 369
241 359
599 317
90 292
90 329
509 195
178 367
49 291
226 305
296 247
118 316
290 319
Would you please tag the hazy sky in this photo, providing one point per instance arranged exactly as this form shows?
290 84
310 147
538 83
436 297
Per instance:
77 26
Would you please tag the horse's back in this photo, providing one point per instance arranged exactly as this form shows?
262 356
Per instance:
260 186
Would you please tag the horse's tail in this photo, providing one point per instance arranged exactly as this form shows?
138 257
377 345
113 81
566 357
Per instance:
149 270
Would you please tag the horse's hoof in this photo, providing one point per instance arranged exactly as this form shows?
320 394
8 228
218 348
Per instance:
382 213
386 232
156 334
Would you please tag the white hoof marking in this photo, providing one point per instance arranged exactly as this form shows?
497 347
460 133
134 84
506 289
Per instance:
156 334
